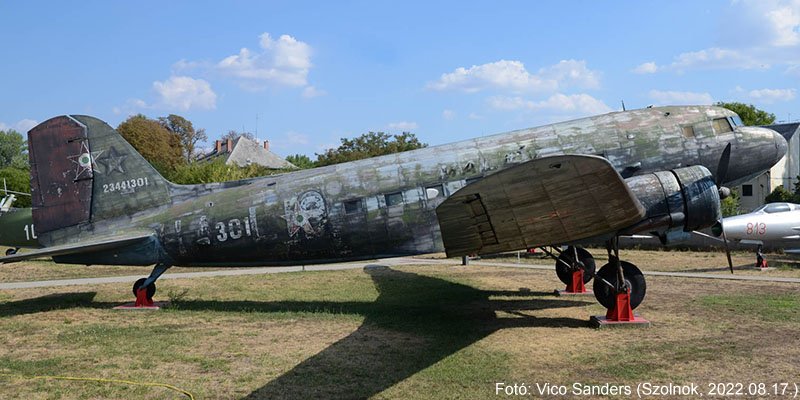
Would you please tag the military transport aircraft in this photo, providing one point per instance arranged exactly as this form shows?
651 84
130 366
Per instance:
776 224
97 201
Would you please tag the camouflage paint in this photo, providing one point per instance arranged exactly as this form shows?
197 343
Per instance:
301 217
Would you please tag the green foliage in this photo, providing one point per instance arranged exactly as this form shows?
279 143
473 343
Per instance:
18 180
154 142
730 205
301 161
232 135
187 135
779 195
216 171
749 114
13 150
368 145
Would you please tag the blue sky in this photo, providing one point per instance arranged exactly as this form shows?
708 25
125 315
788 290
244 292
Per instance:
304 74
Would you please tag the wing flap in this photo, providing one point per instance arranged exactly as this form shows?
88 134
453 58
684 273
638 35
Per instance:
545 201
106 243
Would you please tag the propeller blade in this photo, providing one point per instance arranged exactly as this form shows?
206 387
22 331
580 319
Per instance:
722 167
727 248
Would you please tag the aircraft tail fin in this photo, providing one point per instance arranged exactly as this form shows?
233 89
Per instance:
82 171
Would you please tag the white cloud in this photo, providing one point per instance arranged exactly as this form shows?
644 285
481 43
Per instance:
284 61
772 95
404 126
571 73
448 114
682 98
512 76
25 125
646 68
22 126
311 92
184 93
474 116
753 34
582 104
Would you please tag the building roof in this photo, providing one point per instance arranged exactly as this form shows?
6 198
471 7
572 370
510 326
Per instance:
786 130
243 151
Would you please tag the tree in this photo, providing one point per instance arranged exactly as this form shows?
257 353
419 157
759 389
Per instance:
154 142
13 150
301 161
749 114
780 195
232 134
731 205
187 135
18 180
217 171
369 145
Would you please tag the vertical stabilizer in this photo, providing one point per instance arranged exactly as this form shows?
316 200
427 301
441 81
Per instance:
83 171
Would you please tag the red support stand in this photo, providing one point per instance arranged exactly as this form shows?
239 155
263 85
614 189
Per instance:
622 311
577 285
621 315
762 264
142 303
142 300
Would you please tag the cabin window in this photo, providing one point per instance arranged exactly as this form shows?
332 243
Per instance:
353 206
721 125
736 121
434 191
747 190
394 199
688 131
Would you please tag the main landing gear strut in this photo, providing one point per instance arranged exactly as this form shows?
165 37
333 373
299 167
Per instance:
145 288
619 285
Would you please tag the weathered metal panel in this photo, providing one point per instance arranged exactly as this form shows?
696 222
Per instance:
61 173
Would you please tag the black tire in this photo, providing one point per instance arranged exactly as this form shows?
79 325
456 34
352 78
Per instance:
565 273
151 290
633 277
11 252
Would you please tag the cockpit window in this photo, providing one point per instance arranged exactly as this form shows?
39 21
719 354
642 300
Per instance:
736 121
721 125
776 208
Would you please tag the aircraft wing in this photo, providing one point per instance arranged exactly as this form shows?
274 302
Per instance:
106 243
551 200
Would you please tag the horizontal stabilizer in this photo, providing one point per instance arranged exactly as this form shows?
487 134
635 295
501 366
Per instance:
547 201
107 243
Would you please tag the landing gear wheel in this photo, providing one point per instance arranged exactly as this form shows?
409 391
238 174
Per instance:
151 289
633 278
568 256
12 251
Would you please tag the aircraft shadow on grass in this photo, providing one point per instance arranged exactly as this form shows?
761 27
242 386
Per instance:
415 322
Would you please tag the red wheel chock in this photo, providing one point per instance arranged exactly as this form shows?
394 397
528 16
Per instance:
762 264
142 300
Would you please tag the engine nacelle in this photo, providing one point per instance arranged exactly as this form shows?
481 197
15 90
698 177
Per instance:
685 199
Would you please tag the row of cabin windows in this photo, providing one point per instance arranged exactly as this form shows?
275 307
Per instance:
356 206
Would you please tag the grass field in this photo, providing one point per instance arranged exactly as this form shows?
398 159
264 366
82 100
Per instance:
443 331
